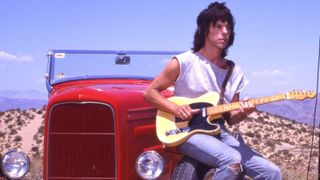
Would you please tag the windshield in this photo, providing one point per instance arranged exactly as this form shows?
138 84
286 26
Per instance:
68 65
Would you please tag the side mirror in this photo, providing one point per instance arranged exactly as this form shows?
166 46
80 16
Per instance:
122 60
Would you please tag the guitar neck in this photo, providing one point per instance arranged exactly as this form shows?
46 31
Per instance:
219 109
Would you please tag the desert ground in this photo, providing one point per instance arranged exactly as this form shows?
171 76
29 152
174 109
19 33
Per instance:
283 141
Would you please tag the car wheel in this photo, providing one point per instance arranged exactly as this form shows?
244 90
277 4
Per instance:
190 169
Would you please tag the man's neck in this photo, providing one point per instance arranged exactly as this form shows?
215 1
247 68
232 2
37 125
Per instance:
213 55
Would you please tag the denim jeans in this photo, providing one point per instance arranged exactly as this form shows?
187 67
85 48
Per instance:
224 150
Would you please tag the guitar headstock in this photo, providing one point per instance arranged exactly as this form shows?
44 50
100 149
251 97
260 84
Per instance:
300 95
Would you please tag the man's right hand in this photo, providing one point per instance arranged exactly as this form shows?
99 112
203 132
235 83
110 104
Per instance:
185 112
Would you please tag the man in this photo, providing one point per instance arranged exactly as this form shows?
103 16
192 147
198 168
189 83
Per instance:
201 70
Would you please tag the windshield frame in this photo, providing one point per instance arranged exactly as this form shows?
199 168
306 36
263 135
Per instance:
50 75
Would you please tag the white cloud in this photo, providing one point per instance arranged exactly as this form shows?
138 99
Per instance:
274 73
5 56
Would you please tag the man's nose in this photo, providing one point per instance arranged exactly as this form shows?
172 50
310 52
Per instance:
225 30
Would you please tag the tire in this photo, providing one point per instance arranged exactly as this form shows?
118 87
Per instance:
189 169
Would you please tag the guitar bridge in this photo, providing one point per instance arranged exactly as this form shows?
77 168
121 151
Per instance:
177 131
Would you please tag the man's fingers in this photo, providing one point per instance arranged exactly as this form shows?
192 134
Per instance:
195 111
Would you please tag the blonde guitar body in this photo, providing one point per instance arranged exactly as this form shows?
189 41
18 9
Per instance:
171 131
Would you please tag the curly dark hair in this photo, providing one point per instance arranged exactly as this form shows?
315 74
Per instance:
216 11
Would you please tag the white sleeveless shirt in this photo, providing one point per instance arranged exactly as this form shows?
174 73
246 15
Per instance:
199 76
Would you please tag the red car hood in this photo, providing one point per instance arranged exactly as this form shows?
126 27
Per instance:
111 91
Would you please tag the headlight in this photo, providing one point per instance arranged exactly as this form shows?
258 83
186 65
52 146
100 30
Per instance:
15 164
149 165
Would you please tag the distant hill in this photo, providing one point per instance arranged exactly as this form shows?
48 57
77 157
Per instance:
24 99
300 111
15 103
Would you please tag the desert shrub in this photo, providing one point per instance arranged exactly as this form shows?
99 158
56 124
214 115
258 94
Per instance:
7 120
268 128
10 126
286 140
279 131
289 126
266 136
35 148
8 115
254 141
40 111
270 144
20 122
41 129
258 135
301 139
13 131
37 139
249 134
2 134
35 152
285 152
260 118
17 138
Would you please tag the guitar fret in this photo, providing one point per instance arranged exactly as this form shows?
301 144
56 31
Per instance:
236 105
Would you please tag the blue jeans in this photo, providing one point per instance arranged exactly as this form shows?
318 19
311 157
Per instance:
224 150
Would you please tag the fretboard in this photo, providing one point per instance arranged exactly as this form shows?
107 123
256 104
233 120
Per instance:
219 109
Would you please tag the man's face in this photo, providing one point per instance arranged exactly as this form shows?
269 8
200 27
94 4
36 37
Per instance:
219 34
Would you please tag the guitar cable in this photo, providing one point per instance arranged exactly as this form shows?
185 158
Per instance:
314 121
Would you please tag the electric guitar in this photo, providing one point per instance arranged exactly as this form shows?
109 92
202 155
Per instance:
172 131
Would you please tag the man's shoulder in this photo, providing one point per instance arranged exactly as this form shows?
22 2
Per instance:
186 56
187 53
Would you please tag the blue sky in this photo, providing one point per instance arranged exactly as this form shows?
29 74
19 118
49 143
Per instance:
276 42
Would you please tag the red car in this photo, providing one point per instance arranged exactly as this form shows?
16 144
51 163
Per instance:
98 125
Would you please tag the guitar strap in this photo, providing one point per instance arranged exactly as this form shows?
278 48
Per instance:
225 81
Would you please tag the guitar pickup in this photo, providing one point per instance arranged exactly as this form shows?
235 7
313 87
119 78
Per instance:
177 131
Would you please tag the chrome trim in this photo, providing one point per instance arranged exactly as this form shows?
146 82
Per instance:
49 70
23 154
119 52
84 102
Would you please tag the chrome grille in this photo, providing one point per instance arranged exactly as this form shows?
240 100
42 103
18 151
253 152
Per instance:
81 142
